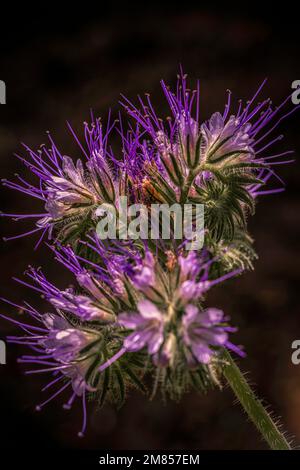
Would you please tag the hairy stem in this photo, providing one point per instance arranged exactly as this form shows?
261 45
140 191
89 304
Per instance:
253 406
188 183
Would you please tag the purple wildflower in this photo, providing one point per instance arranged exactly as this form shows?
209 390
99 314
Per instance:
193 290
81 306
138 298
69 191
64 341
236 136
102 280
189 265
195 278
57 346
203 331
120 260
143 273
226 137
148 326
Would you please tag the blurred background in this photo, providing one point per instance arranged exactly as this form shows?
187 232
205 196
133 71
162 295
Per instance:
56 68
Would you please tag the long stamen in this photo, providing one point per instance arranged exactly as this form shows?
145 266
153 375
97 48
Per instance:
68 405
112 359
84 420
40 406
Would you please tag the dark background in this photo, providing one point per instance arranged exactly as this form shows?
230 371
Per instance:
57 67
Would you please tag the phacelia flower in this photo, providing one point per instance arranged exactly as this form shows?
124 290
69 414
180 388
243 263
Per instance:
222 163
64 341
148 326
70 191
58 349
203 331
195 278
143 273
83 337
139 307
222 138
81 306
153 322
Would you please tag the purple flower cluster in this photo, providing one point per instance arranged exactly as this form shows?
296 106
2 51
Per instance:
229 141
134 298
57 345
69 191
152 324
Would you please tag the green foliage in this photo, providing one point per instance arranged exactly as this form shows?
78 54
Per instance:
179 379
112 384
225 207
239 253
71 228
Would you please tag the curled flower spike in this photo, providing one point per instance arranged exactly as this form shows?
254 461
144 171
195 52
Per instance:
97 326
58 350
138 308
81 306
221 164
70 191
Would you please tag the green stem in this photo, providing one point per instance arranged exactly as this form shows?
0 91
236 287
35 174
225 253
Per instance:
253 406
